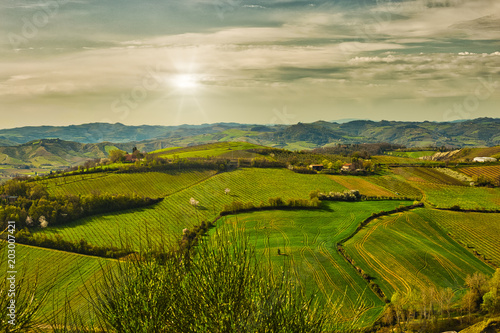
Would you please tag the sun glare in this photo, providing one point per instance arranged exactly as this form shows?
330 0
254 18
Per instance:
185 81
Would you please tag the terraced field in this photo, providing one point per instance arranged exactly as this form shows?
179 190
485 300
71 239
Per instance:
151 184
64 272
362 184
446 196
408 251
491 172
426 175
308 239
476 231
165 221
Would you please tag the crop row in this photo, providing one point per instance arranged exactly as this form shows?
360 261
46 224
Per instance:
396 184
308 239
491 172
407 252
62 274
466 197
165 221
429 175
362 184
151 184
476 231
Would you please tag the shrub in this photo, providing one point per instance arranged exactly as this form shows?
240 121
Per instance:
224 288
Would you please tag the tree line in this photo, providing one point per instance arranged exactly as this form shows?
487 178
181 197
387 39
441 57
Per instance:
272 203
433 309
24 236
34 207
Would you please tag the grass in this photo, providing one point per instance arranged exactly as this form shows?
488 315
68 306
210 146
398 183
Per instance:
163 150
308 239
408 251
151 184
165 221
446 196
477 231
64 273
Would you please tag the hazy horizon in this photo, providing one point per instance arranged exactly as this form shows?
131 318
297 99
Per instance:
339 121
191 62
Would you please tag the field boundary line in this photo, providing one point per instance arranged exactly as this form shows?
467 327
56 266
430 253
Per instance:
342 252
67 252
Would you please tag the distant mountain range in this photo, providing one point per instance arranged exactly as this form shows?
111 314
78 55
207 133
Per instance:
69 145
104 132
481 131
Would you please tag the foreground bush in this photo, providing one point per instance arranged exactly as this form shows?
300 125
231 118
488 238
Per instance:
223 288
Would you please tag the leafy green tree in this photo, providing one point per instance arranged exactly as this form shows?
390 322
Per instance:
116 155
337 165
37 191
491 300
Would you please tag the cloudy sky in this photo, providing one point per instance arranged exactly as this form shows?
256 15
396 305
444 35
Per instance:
170 62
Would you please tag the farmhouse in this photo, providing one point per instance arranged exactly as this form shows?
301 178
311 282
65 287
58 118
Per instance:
484 159
316 167
347 167
130 158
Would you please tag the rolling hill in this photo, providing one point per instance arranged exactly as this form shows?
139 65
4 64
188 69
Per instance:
56 152
477 132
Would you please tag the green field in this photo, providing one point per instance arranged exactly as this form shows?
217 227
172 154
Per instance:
212 150
165 221
62 273
476 231
233 134
402 252
408 251
163 150
446 196
308 238
151 184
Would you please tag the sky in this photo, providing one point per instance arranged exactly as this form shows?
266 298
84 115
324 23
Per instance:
171 62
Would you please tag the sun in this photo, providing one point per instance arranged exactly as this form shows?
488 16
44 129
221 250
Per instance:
185 81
